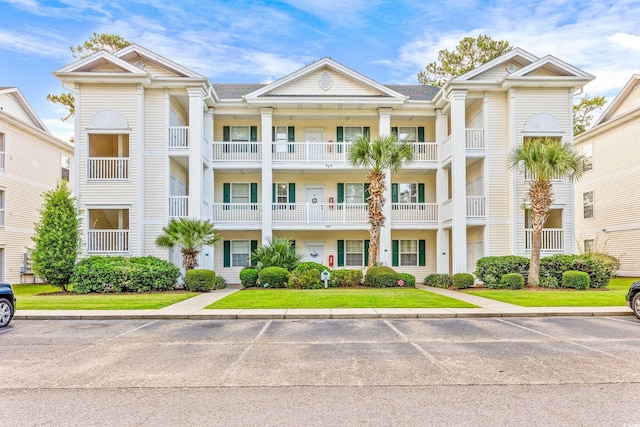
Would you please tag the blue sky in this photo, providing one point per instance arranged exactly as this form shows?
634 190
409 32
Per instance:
243 41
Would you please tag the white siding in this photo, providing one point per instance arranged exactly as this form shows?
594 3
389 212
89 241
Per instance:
341 86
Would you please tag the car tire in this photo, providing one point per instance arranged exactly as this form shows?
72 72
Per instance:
6 312
635 304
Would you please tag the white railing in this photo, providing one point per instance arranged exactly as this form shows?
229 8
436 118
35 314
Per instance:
307 213
178 136
447 210
447 147
310 151
114 168
424 151
475 207
237 151
108 241
178 206
237 212
475 138
414 212
552 239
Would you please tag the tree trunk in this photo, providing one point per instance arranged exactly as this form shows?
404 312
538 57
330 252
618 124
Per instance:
540 196
375 204
189 258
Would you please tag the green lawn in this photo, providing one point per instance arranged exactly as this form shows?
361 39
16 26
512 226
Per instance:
612 296
337 298
46 297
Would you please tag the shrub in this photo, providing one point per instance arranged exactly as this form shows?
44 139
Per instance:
575 279
200 280
303 267
512 281
249 277
462 280
408 279
221 283
305 280
380 276
490 269
600 268
119 274
549 282
345 278
438 280
555 265
276 253
274 277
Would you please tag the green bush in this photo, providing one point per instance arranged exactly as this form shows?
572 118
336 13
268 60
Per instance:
463 280
549 282
276 253
438 280
408 279
380 276
575 279
221 283
512 281
303 267
490 269
600 268
200 280
555 265
309 279
249 277
119 274
345 278
274 277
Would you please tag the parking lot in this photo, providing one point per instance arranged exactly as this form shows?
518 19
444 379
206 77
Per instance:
542 371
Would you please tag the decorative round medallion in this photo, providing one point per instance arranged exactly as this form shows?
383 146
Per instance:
325 81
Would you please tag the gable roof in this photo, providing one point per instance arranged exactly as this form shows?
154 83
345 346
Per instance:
617 102
517 54
25 108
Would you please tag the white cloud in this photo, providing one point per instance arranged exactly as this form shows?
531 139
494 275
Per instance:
33 42
343 13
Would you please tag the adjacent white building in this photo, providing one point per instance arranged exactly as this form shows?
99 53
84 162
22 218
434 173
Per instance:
32 161
156 140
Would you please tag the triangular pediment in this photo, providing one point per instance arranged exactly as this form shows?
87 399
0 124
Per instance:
626 101
100 62
499 68
550 66
13 103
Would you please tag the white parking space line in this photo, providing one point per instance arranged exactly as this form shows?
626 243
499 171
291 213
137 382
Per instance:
628 322
235 365
424 352
125 333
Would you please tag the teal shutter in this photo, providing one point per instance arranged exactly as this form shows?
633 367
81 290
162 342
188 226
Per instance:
420 133
227 253
254 133
254 245
292 192
226 133
394 131
421 253
273 134
394 193
420 193
340 253
273 192
254 192
340 192
366 252
366 192
366 132
339 138
395 253
226 192
291 137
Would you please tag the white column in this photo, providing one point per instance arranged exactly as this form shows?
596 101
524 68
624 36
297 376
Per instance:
196 130
442 195
140 174
485 176
458 182
207 186
266 115
384 250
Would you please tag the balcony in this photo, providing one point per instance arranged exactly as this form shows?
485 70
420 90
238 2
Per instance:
403 213
108 168
475 207
178 137
237 151
178 206
474 139
237 212
320 213
108 241
552 239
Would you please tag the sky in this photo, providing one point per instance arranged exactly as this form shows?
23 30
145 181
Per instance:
245 41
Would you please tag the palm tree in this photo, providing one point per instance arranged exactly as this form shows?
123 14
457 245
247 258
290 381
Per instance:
191 235
378 155
545 159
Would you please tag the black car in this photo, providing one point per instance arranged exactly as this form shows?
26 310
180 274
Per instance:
633 298
7 304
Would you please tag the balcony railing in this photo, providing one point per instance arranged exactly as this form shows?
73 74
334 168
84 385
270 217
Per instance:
237 212
475 138
108 168
475 207
424 151
108 241
552 239
414 212
178 206
178 136
310 151
329 213
237 151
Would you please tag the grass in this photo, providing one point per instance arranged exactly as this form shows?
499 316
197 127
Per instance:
46 297
613 295
336 298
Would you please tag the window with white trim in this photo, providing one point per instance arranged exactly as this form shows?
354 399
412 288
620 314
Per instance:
240 133
240 253
354 253
65 166
354 192
407 193
587 205
587 153
2 209
282 192
352 133
240 192
588 246
408 134
408 252
2 150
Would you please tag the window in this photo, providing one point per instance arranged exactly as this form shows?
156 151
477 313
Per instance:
354 193
587 152
351 133
2 208
282 192
240 253
408 134
587 204
65 166
408 252
240 193
354 253
2 151
407 193
240 133
588 246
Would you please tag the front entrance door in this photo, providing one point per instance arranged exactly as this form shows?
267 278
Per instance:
315 198
314 252
313 138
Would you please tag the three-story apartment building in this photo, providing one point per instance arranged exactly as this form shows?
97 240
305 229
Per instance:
156 140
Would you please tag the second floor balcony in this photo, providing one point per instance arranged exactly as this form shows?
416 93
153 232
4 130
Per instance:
108 168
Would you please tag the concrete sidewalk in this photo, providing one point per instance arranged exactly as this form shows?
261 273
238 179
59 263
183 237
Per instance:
194 308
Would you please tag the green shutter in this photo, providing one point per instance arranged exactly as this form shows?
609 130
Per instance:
227 253
394 253
273 192
394 131
291 137
366 253
421 253
226 192
339 134
254 192
273 134
254 133
340 253
366 192
366 132
394 193
420 133
420 193
292 192
226 133
340 192
254 245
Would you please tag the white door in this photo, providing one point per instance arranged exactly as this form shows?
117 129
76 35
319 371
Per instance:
315 199
315 145
314 252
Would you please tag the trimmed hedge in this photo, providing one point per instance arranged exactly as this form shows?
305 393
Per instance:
575 279
380 276
309 279
200 280
408 279
512 281
345 278
274 277
549 282
102 274
249 277
600 267
490 269
303 267
463 280
438 280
